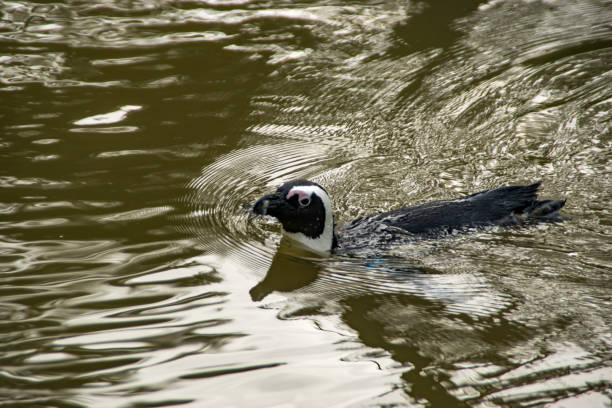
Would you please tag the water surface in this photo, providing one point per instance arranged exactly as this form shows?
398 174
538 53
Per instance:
135 135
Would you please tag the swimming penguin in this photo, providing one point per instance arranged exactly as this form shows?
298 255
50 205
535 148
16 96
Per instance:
305 212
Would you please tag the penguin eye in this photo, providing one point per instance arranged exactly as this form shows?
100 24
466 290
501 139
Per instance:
304 201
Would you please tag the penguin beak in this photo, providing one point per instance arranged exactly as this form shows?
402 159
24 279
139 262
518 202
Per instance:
267 205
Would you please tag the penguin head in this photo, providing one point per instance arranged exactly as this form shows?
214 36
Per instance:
304 209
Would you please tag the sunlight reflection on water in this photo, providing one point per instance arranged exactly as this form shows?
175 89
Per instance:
137 136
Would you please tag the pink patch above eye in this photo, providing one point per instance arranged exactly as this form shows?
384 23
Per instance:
301 195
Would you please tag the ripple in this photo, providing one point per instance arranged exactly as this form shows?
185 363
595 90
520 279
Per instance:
15 182
338 279
133 215
30 224
29 257
262 30
568 370
176 274
108 118
220 199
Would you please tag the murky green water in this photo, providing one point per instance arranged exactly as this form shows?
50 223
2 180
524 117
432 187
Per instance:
135 134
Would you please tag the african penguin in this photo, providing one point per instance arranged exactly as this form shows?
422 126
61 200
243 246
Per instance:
305 212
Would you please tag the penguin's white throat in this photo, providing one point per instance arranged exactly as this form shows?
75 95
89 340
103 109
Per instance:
321 245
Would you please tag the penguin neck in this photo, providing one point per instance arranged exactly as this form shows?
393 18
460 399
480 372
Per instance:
322 244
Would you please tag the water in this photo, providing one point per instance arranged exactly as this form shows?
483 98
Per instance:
136 134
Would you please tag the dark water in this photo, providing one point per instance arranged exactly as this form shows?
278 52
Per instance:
136 133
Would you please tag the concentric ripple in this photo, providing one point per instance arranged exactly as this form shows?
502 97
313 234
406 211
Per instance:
219 202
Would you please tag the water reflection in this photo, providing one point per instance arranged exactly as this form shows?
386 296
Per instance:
286 274
420 317
105 302
341 278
